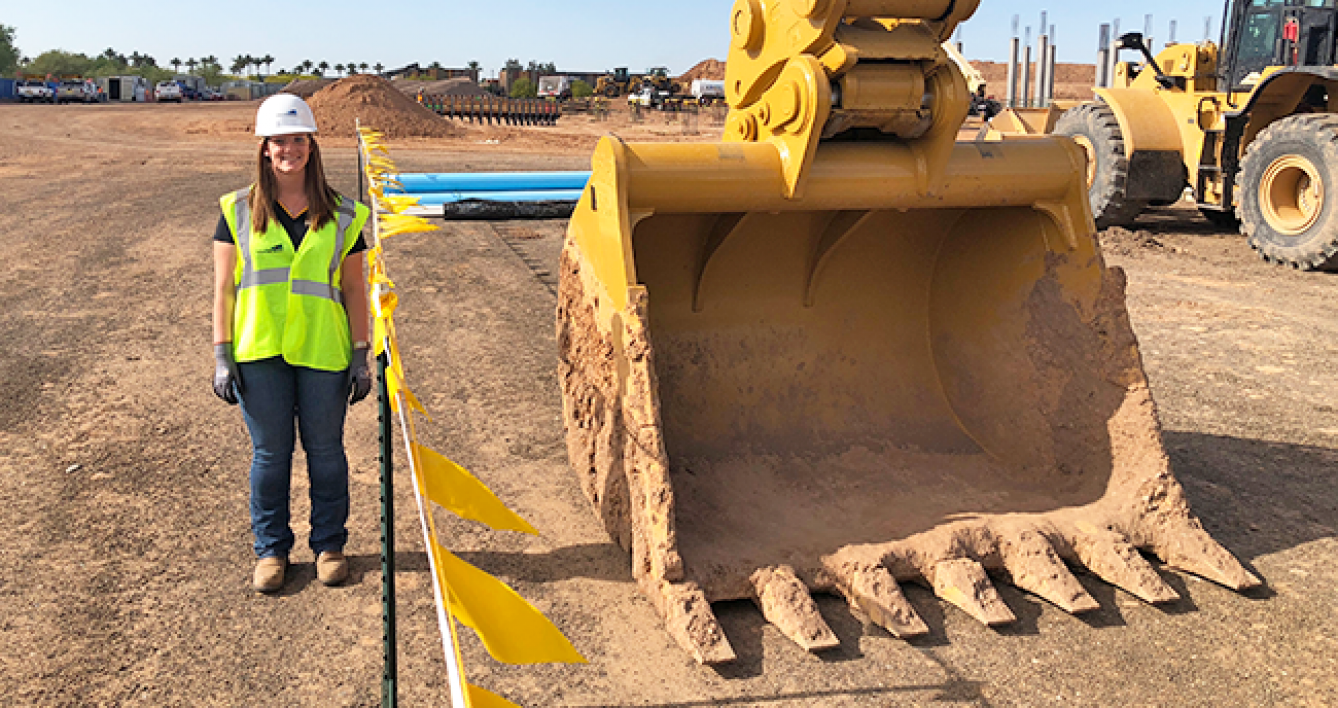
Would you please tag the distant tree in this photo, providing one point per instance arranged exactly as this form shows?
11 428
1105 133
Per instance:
176 64
239 63
9 54
191 63
339 68
324 66
352 68
513 64
580 89
57 62
523 88
378 66
306 66
266 60
363 66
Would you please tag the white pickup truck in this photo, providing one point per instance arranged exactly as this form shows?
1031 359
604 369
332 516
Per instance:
167 91
35 91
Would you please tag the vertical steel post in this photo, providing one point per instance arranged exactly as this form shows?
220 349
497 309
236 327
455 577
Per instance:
1103 57
1042 69
1050 86
1026 76
390 677
1011 99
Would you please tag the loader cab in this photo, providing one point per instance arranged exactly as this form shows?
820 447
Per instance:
1264 33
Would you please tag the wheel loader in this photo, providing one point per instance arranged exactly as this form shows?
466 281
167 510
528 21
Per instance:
1250 128
839 351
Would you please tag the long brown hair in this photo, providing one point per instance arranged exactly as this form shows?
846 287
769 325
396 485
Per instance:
321 197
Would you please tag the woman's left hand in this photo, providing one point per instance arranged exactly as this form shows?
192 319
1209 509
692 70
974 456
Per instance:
360 376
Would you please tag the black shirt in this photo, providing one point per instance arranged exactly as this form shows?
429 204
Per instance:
296 226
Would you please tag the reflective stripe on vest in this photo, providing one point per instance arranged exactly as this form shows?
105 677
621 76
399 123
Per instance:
251 278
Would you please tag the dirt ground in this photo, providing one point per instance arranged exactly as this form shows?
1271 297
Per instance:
125 549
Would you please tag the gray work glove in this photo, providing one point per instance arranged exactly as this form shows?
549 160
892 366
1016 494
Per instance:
360 376
227 380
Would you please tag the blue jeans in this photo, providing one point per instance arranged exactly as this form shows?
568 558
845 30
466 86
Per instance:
275 394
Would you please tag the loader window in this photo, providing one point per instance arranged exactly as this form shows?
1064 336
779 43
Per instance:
1258 40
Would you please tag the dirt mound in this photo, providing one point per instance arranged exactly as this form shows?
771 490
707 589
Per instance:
378 104
705 69
446 87
1072 81
1118 239
306 88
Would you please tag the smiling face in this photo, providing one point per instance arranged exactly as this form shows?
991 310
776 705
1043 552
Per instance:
288 154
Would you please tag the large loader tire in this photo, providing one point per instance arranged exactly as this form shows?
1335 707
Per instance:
1096 130
1288 190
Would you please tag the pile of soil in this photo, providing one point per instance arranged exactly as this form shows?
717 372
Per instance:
378 104
306 88
704 69
459 86
1072 81
1118 239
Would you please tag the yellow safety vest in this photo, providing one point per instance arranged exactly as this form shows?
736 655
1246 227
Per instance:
288 302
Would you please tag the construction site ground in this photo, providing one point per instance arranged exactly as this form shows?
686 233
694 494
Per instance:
124 543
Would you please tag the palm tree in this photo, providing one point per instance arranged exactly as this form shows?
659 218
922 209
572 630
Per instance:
176 64
379 66
239 62
323 66
363 66
266 60
475 68
191 64
306 66
212 60
339 68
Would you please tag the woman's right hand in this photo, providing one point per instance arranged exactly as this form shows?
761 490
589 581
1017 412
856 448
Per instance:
227 379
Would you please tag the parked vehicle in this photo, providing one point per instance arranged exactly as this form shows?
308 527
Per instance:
35 91
708 91
558 87
74 90
167 91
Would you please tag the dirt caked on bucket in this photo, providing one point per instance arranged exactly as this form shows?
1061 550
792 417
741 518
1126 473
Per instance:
839 350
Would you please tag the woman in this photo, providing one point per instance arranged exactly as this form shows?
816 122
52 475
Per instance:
290 334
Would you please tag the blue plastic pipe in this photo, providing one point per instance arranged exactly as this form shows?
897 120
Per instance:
532 195
417 183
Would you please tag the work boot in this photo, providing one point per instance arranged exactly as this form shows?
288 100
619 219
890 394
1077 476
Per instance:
331 567
269 574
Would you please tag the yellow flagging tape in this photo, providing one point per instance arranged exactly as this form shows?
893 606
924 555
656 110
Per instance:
454 489
483 698
395 383
510 628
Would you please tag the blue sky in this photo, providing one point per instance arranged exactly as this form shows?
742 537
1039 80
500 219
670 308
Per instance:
590 35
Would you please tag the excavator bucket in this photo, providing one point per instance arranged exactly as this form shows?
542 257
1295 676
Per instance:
839 351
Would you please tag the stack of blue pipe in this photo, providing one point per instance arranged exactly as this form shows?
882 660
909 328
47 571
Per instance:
497 195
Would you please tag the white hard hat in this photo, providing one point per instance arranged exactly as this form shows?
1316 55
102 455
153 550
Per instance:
284 114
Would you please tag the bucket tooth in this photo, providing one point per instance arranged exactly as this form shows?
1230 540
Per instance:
963 583
1180 540
785 602
1033 566
690 621
873 590
1111 557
